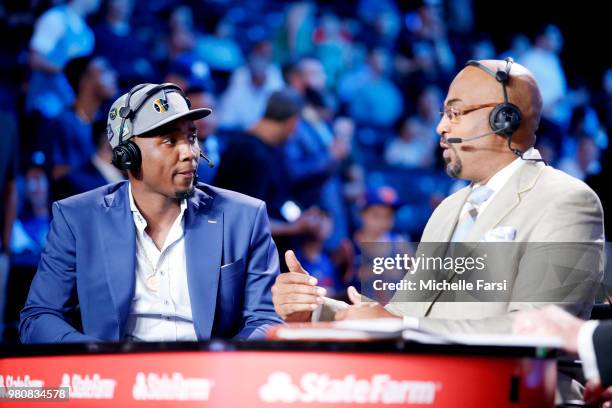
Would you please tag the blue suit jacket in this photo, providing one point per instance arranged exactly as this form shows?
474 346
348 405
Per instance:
90 256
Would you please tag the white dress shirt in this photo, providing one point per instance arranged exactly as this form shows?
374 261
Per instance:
161 308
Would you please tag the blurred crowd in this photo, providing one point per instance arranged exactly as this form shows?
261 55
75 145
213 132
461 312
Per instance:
325 110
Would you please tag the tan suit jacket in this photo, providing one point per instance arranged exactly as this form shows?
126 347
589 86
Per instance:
542 205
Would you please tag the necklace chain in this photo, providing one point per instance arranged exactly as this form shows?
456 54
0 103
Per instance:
151 278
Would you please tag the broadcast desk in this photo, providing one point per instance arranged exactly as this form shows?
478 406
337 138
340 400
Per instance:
388 373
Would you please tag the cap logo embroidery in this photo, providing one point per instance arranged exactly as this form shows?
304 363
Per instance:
161 105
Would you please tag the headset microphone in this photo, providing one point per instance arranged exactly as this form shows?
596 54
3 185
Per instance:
517 152
210 162
456 140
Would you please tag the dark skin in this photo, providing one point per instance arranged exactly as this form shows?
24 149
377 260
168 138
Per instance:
295 293
169 163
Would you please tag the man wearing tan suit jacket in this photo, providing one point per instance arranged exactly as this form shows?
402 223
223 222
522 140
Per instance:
546 214
536 204
529 202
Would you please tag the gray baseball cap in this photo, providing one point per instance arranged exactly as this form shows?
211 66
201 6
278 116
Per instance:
152 110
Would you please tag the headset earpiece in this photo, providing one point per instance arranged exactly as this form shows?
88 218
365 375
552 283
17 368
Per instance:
506 117
126 156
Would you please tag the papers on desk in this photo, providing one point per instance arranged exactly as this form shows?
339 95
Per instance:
501 340
346 330
377 329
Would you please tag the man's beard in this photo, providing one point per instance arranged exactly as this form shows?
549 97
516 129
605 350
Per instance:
186 194
454 169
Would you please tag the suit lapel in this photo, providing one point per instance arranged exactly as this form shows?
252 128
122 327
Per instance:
502 205
506 200
118 235
442 231
203 248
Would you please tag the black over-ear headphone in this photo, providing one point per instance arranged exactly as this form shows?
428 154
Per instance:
126 155
505 118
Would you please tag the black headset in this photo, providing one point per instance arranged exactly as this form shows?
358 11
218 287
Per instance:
505 118
126 155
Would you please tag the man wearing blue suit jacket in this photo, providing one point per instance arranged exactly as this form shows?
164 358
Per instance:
158 257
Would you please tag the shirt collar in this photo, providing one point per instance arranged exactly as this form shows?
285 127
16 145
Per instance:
500 178
141 222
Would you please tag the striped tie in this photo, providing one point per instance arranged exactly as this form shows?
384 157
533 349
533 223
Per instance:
479 195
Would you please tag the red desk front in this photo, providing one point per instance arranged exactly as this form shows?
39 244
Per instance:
280 374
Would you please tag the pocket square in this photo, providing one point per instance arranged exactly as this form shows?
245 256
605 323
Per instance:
499 234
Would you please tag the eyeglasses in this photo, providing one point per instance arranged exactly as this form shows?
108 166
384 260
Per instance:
454 113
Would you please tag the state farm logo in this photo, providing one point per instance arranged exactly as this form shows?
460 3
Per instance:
321 388
10 381
89 387
153 386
